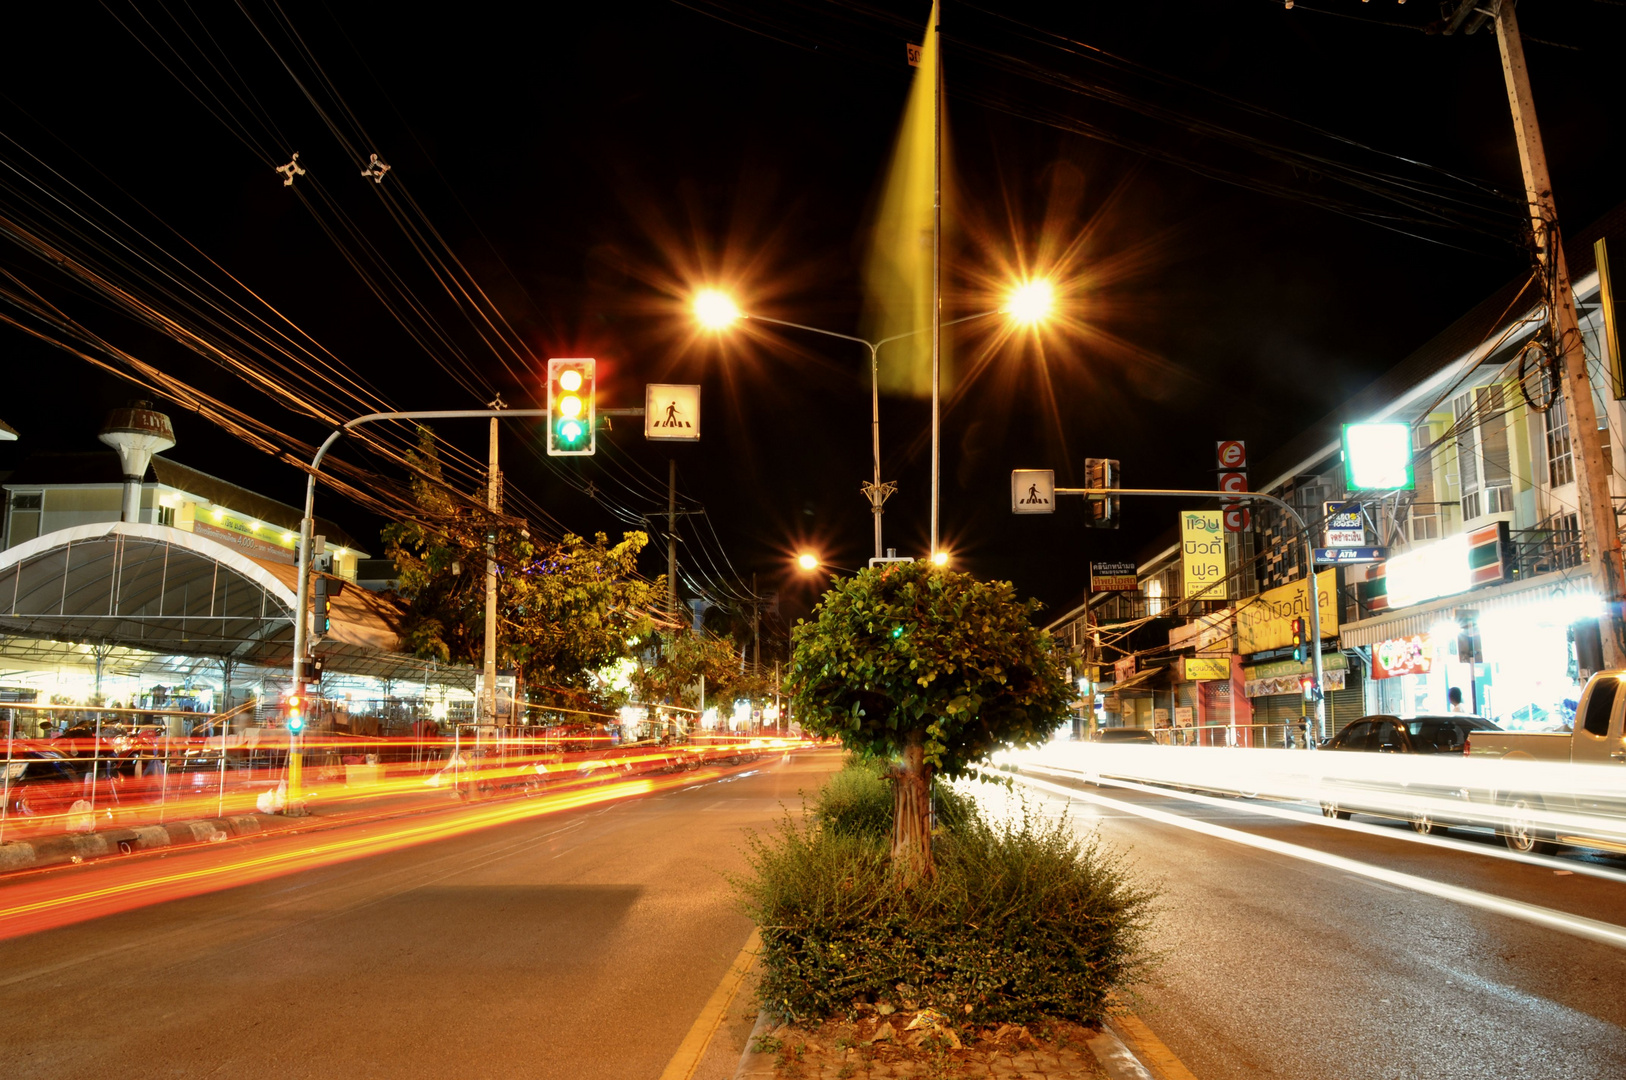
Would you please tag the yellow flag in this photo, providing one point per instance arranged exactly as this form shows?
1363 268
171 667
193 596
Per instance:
898 271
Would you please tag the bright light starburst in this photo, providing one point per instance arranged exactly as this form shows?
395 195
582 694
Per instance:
1031 301
807 561
715 310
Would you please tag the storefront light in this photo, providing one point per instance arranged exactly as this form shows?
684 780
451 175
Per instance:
1444 632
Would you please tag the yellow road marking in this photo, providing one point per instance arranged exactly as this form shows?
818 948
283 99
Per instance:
693 1047
1149 1048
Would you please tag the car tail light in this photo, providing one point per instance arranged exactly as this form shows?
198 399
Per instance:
1467 744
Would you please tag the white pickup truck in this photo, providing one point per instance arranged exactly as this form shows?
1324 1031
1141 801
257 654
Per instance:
1589 812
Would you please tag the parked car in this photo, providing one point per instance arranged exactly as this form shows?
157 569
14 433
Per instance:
1598 739
1440 734
1122 735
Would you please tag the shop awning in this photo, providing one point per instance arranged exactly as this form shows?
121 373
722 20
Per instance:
1137 681
1571 588
167 591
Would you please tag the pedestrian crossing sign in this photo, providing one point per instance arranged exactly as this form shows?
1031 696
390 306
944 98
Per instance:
671 412
1033 491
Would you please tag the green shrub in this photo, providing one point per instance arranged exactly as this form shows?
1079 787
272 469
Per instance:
1023 920
857 801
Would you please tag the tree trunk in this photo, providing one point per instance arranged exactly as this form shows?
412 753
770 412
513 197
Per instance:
912 812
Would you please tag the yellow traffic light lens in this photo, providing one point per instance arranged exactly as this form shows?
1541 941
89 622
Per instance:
570 380
571 407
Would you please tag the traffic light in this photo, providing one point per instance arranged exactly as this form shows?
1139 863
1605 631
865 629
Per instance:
322 591
570 407
1102 510
296 713
1307 684
1298 640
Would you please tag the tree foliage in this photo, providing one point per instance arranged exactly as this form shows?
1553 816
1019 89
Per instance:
672 673
565 608
931 668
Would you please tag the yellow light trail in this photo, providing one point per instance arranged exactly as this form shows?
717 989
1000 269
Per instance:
47 901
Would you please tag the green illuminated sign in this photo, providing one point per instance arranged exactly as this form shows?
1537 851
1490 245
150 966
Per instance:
1377 457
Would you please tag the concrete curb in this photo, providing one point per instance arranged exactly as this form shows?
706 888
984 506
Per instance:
757 1066
1115 1058
83 847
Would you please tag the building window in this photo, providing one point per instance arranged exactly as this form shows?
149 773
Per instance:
166 516
1154 596
1423 521
1560 465
23 522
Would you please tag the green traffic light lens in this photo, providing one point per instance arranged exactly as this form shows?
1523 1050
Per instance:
570 431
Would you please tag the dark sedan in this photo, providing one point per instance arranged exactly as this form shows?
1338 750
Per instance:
1445 734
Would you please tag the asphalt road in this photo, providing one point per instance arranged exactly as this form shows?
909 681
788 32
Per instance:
1281 967
580 944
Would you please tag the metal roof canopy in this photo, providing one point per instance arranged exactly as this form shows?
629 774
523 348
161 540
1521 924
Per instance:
164 590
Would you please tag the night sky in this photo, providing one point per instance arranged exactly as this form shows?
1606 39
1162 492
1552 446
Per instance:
589 164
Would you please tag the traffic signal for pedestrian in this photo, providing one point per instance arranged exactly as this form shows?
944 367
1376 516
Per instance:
570 407
1298 640
296 713
1307 684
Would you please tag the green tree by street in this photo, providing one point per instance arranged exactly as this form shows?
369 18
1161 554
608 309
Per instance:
565 609
930 669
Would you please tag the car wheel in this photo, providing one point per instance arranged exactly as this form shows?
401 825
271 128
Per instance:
1423 825
1332 810
1519 834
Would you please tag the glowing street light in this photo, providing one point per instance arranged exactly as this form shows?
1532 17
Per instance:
715 310
1031 301
939 558
807 561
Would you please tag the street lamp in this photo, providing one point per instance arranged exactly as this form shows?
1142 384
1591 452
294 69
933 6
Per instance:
1030 301
807 561
716 310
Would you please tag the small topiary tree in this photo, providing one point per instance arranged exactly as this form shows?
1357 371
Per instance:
931 669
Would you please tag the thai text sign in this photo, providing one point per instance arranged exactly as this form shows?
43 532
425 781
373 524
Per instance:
1208 668
1412 655
1267 621
1202 543
1113 577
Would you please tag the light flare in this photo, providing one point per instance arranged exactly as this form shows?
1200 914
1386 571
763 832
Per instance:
715 309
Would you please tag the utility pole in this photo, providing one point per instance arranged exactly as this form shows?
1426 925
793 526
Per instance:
756 626
671 536
493 501
1592 468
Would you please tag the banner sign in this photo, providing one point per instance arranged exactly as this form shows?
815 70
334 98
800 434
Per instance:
1412 655
1113 577
1203 633
1182 715
1203 551
1123 670
1345 525
1289 684
1332 661
1266 622
1208 668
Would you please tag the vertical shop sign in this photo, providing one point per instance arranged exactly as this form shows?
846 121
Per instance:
1202 545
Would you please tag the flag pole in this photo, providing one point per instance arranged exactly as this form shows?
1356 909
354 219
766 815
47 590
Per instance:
937 271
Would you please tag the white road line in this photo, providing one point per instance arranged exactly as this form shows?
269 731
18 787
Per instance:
1591 929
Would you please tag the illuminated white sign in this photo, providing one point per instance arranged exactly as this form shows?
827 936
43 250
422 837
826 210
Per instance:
1440 569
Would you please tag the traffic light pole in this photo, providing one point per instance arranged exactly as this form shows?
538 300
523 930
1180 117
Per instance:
1312 738
302 558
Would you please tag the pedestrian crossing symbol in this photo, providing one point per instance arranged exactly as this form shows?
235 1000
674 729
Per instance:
1033 491
671 412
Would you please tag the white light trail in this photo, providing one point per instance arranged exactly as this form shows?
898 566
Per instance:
1576 925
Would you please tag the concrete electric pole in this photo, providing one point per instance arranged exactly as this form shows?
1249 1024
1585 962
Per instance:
1592 465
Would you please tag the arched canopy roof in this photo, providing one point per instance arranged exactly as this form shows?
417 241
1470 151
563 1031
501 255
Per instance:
165 590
